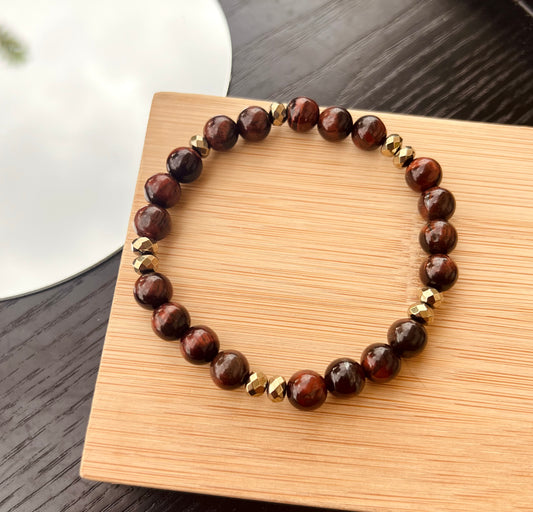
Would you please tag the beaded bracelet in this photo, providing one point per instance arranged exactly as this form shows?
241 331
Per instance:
229 369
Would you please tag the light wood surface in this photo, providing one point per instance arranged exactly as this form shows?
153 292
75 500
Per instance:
297 251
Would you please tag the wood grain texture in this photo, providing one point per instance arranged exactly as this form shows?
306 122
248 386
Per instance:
297 251
465 60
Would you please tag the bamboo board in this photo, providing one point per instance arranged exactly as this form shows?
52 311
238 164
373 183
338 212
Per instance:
297 251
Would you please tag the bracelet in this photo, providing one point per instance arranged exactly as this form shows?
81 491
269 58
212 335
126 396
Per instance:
199 344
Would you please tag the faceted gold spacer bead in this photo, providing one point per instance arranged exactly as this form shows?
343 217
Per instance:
277 388
391 145
431 297
145 263
256 384
200 144
421 313
144 245
278 113
404 157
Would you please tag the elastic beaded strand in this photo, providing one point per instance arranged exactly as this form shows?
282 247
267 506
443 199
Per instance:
344 377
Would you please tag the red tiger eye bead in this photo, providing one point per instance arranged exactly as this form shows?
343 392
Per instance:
221 133
344 377
306 390
380 363
302 114
162 190
199 344
184 164
152 221
335 123
369 133
438 237
439 271
436 203
229 369
407 337
254 124
153 289
423 173
170 321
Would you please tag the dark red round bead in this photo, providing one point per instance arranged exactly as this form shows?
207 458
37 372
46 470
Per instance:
302 114
335 123
151 290
221 133
406 337
436 203
184 164
380 363
344 377
423 173
438 237
162 190
199 344
152 221
229 369
369 133
439 271
254 124
170 321
306 390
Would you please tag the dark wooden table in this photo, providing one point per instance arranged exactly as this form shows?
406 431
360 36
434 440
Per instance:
467 60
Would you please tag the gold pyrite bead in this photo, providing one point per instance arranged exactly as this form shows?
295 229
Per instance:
145 263
200 145
278 113
277 388
421 313
391 145
431 297
256 384
143 245
404 157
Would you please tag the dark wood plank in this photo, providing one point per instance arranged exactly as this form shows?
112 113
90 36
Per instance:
467 60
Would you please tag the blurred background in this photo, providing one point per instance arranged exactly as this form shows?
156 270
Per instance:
77 80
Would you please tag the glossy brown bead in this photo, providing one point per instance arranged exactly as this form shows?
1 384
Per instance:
170 321
436 203
229 369
380 363
335 123
307 390
254 124
221 133
423 173
152 290
439 271
302 114
184 164
344 377
199 344
162 190
369 133
153 222
438 237
406 337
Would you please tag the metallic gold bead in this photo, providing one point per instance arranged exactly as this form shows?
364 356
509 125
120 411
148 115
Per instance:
256 384
391 145
143 245
145 263
277 388
404 157
200 144
431 297
278 113
421 313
